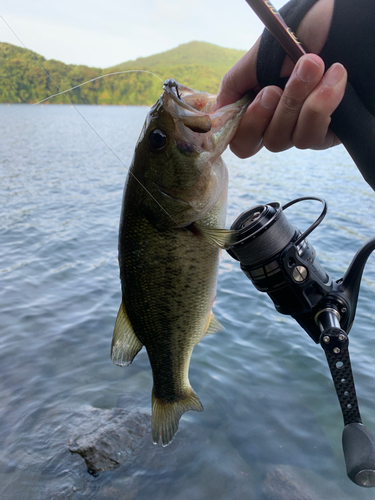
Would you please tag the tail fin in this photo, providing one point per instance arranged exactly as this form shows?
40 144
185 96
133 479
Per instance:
166 416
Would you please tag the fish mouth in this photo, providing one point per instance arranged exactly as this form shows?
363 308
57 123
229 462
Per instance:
189 99
193 109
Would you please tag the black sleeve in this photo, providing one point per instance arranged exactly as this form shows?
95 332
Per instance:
270 53
351 41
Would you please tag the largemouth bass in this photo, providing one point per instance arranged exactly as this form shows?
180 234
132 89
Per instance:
171 228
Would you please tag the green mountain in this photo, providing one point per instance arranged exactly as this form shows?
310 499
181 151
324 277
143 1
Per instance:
198 65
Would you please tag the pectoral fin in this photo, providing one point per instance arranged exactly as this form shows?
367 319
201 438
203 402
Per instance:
125 344
221 238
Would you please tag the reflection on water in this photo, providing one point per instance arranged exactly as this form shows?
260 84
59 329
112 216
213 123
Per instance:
271 415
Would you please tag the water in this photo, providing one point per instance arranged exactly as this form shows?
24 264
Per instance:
268 397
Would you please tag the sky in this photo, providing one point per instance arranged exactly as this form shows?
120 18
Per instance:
103 33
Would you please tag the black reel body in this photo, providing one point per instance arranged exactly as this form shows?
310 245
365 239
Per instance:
279 260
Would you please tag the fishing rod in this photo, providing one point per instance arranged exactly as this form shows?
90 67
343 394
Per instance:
276 25
280 261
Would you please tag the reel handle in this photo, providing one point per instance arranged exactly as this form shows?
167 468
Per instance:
357 441
359 452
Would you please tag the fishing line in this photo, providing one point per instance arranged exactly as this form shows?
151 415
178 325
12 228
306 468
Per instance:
81 85
83 117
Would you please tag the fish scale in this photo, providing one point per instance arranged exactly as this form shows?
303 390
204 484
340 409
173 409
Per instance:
168 250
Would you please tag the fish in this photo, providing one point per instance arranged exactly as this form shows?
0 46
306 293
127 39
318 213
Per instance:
172 227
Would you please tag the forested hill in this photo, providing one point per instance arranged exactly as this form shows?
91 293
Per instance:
198 65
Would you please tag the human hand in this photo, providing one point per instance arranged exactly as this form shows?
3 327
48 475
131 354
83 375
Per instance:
298 116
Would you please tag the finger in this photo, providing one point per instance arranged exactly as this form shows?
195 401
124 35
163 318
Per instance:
312 129
239 79
249 137
305 77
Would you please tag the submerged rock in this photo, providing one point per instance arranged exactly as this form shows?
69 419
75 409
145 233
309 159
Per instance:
107 438
285 482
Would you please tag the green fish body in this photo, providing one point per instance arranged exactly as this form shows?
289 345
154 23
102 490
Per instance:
171 228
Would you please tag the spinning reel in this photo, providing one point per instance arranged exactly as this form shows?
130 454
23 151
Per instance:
279 260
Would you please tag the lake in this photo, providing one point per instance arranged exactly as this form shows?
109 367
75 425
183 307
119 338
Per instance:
271 421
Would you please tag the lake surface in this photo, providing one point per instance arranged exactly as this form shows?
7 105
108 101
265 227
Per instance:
270 405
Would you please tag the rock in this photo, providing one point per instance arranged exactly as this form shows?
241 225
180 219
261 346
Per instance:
285 482
108 438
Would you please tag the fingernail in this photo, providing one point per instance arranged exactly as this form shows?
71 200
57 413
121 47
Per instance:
334 75
306 69
269 98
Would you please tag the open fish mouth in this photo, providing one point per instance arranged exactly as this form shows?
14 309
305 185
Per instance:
193 109
189 99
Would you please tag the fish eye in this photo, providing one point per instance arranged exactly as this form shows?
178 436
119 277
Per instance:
157 139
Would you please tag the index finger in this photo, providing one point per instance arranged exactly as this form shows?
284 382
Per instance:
239 79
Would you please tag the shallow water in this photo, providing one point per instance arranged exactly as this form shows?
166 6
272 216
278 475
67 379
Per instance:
268 396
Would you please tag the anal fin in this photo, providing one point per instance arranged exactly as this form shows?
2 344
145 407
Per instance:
214 326
125 343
